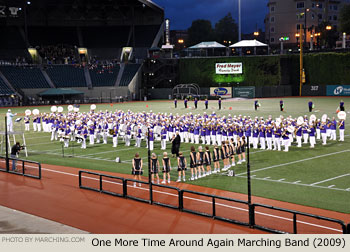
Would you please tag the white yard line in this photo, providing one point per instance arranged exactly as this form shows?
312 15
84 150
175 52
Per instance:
320 182
294 183
295 162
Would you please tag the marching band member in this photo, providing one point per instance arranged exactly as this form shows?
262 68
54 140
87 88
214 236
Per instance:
34 123
219 103
105 132
38 123
341 130
175 103
206 103
115 135
333 129
196 134
163 138
151 139
98 132
207 134
202 134
218 135
207 160
277 141
285 139
281 105
305 133
193 163
312 132
67 133
311 105
195 103
54 130
262 137
318 131
27 123
181 167
128 136
269 137
323 128
85 133
255 136
213 135
92 134
185 103
298 132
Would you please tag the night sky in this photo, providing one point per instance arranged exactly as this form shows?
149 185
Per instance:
182 12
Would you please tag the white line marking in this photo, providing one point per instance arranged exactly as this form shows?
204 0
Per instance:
293 183
266 178
282 179
296 182
295 162
344 175
209 202
348 189
331 186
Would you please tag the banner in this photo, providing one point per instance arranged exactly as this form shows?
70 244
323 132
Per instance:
314 90
224 92
229 68
338 90
244 92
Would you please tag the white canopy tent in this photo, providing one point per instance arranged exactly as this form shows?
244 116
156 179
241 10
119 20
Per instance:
248 43
205 46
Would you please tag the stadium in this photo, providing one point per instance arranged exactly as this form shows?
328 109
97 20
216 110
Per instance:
93 92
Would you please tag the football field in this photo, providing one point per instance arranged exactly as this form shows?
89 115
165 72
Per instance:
318 177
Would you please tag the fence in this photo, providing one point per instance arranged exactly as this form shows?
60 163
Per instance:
22 167
217 207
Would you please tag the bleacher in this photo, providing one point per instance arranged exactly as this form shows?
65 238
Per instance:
66 76
129 73
24 77
104 75
4 89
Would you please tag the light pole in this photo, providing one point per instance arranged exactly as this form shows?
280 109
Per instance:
239 21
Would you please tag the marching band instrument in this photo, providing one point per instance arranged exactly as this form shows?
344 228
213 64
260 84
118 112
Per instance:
290 128
70 108
300 120
111 131
123 128
324 118
92 107
76 110
313 118
36 112
144 129
28 112
60 109
342 115
53 109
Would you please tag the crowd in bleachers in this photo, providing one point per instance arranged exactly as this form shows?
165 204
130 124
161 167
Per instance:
58 54
9 101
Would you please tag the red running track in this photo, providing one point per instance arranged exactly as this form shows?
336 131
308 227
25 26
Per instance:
57 197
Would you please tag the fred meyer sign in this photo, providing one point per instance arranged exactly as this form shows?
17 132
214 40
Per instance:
229 68
224 92
339 90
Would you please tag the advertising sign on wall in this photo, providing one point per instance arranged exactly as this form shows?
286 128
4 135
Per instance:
338 90
244 92
224 92
229 68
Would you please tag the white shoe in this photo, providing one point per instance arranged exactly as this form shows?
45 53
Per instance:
139 184
234 164
192 178
179 180
183 179
168 180
239 162
163 182
134 184
195 177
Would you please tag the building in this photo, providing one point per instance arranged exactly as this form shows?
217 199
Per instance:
286 17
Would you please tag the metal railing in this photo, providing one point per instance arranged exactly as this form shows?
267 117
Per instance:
295 221
250 209
22 167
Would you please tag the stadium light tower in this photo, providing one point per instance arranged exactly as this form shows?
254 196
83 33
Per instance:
239 21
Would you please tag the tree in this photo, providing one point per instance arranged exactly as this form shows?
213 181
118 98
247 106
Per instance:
345 19
226 30
201 30
328 37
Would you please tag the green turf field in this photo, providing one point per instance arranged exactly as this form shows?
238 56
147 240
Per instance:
317 177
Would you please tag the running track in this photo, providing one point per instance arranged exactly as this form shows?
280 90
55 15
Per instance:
57 197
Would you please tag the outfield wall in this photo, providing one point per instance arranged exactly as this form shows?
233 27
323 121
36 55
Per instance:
321 69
